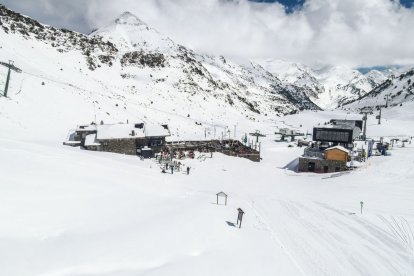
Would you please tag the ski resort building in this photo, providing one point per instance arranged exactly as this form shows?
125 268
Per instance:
146 140
333 159
331 146
140 139
132 139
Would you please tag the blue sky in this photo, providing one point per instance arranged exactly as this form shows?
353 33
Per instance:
292 4
289 4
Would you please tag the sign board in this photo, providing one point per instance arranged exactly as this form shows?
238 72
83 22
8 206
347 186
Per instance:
333 135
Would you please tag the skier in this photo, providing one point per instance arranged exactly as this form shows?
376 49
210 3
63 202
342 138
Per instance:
172 169
188 170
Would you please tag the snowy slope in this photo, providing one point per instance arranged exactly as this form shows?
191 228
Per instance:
398 88
114 215
328 86
138 75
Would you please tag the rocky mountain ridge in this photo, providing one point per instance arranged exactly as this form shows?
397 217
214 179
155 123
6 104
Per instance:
329 86
133 48
395 91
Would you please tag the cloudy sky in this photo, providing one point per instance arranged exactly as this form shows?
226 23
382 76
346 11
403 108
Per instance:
357 33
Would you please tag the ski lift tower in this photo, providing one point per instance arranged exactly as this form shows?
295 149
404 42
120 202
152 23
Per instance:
386 98
286 132
257 134
365 111
10 67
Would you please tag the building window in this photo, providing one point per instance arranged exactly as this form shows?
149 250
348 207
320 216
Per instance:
156 142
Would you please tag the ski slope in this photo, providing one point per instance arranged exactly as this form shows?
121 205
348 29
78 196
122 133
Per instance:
72 212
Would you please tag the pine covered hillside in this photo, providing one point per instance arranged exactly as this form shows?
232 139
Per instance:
128 70
329 86
399 89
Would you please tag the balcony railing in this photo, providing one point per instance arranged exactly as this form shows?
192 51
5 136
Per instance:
313 152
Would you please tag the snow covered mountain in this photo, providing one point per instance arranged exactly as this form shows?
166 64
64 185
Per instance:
328 86
202 73
72 212
399 89
129 70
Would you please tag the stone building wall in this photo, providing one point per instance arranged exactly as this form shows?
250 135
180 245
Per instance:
130 146
123 146
320 164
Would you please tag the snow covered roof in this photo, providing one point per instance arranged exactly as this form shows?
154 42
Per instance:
126 131
86 128
341 148
119 131
154 130
90 140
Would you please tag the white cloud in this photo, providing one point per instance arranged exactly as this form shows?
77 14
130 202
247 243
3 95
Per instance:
346 32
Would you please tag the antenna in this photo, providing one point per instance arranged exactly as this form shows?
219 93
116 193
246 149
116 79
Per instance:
10 67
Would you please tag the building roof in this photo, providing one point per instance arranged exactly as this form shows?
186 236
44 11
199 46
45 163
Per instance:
90 140
341 148
119 131
154 130
131 131
80 128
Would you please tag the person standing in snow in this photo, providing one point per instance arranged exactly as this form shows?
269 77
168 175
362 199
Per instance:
188 170
172 169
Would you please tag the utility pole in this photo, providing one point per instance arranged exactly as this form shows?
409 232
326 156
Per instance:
10 67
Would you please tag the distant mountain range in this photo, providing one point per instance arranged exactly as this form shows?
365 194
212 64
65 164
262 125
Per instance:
329 86
394 91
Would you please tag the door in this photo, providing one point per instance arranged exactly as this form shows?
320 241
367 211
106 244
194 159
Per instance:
311 167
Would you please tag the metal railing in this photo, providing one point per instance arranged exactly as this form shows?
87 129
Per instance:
313 152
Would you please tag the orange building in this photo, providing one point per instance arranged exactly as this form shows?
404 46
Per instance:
337 153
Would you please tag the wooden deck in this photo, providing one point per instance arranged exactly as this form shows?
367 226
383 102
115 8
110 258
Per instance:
228 147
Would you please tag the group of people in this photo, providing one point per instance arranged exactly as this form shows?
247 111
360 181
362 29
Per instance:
165 158
175 166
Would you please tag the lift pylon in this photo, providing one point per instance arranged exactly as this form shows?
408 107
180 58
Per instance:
10 67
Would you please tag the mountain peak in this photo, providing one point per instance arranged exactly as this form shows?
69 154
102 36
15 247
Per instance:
128 18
